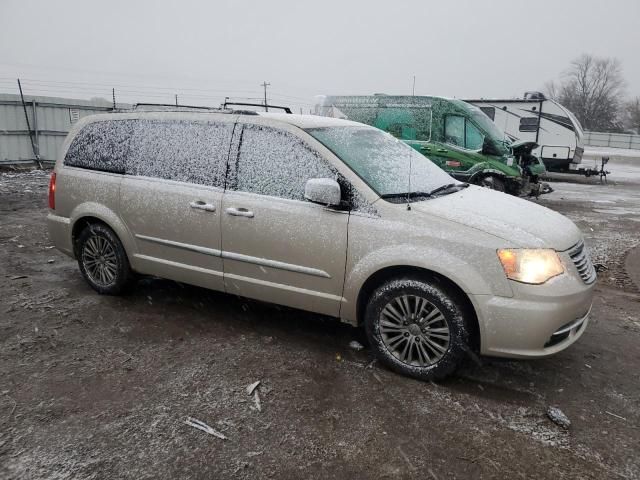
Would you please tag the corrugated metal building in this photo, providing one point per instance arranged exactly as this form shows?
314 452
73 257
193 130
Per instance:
50 119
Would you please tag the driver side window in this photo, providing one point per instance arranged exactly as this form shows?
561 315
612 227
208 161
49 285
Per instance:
461 132
454 130
473 138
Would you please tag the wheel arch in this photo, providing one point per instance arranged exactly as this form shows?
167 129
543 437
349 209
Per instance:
88 213
387 273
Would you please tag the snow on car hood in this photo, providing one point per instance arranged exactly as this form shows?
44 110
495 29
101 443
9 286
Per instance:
520 222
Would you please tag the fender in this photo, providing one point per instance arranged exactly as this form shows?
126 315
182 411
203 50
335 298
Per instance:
455 268
108 216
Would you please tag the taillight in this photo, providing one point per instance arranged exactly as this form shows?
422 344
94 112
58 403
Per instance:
52 191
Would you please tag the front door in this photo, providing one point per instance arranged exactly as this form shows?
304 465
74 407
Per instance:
277 246
171 199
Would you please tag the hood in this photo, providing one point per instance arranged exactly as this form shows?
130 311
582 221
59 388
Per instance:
521 223
522 146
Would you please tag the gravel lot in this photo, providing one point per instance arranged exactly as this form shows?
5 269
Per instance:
100 387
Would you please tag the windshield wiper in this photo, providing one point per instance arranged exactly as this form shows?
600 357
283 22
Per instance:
449 186
407 195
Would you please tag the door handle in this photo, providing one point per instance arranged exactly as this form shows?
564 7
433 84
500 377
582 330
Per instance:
200 205
426 149
239 212
441 150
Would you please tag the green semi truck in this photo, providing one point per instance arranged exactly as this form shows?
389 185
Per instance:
455 135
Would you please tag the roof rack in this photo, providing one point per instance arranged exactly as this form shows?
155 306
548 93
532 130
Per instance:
170 106
286 109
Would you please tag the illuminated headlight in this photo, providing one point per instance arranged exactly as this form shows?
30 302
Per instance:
533 266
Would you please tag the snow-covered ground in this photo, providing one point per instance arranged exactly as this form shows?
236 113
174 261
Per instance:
596 153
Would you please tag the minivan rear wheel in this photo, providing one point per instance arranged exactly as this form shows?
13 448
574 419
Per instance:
102 259
417 328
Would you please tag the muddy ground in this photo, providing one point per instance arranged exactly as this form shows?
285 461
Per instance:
100 387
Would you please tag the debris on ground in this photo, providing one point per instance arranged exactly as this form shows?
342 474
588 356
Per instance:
18 277
558 417
252 387
195 423
51 260
355 345
600 267
614 415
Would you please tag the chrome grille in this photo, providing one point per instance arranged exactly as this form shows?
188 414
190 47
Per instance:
583 264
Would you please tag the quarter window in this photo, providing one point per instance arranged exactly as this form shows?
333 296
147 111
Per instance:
183 151
276 163
102 145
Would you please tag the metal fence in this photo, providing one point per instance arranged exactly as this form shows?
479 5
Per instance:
614 140
50 119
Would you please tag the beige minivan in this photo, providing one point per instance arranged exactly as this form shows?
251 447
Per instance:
325 215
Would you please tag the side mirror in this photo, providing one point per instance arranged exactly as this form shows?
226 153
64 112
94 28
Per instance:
488 148
325 191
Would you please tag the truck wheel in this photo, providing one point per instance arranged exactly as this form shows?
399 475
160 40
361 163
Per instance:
102 260
493 182
416 328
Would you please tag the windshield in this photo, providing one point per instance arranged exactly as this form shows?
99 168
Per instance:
498 137
381 160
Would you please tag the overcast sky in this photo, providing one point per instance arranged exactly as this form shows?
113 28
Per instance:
149 49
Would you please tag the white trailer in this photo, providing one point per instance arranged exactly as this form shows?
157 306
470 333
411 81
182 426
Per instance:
539 119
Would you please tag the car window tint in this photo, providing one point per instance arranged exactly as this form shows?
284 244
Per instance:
183 151
454 130
101 145
276 163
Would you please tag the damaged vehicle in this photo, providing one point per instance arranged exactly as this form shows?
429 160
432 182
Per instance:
325 215
455 135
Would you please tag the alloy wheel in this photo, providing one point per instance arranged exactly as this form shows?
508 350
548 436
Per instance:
99 260
414 330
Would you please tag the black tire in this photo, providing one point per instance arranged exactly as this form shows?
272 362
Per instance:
493 182
380 334
102 260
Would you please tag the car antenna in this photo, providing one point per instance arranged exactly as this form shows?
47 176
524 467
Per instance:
409 191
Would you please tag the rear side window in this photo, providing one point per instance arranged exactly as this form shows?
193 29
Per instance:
101 146
183 151
489 112
276 163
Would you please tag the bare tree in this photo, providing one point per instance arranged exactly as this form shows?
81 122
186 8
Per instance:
593 89
633 114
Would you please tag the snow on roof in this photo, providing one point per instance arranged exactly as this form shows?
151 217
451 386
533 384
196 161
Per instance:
309 121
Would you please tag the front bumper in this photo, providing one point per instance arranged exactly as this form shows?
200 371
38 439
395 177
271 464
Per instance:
540 320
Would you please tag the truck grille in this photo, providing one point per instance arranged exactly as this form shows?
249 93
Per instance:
583 264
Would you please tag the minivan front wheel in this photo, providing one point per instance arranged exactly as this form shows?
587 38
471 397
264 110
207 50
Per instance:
417 328
102 259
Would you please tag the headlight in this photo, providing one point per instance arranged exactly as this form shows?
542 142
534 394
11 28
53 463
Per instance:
533 266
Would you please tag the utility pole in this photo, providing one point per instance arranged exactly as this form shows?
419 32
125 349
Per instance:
176 99
113 93
413 92
265 85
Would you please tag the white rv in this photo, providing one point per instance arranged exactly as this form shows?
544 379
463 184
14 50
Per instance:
539 119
